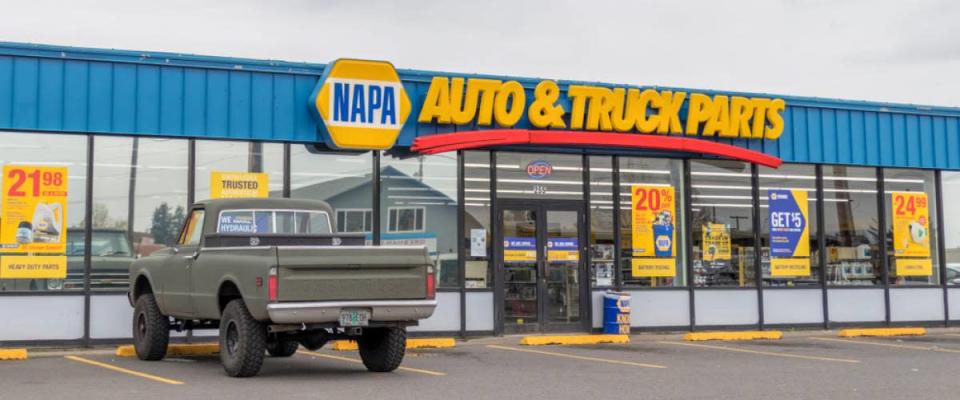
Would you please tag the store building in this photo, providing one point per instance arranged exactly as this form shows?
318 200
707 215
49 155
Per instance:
533 196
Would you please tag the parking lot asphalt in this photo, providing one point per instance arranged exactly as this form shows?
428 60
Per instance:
803 365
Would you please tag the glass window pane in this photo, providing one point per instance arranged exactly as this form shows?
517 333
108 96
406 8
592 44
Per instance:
476 219
793 181
950 182
194 229
544 176
653 179
227 156
67 151
721 213
851 226
602 249
343 180
424 186
911 231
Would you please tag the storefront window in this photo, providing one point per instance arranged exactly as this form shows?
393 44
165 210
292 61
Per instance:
721 215
139 203
911 231
651 222
851 226
950 184
418 206
343 180
215 156
788 198
602 251
476 219
44 218
539 176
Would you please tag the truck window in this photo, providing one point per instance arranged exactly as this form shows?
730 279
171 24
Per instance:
289 222
191 235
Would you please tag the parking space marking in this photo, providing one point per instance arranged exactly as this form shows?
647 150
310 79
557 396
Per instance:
356 361
765 353
123 370
893 345
952 334
576 357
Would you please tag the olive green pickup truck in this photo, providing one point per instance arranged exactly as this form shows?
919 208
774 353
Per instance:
272 275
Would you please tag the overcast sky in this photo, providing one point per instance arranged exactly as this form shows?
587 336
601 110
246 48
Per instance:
895 51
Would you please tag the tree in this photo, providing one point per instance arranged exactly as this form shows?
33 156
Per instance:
165 225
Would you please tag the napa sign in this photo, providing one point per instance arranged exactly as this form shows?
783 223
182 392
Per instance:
362 104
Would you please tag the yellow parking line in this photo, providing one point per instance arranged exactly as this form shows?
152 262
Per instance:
576 357
356 361
893 345
123 370
765 353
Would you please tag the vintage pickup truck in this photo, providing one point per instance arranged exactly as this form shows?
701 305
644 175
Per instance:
272 275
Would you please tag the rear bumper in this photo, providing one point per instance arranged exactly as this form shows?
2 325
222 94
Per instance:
329 311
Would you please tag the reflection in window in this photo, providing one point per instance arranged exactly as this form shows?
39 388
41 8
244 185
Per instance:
539 176
721 213
476 219
227 156
139 198
659 175
950 182
602 249
68 151
354 221
911 231
851 226
418 206
798 180
343 180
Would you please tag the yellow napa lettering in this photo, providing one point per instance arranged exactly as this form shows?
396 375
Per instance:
436 106
648 122
720 120
700 111
509 104
578 95
775 116
599 107
740 111
543 111
670 112
759 117
487 89
625 105
463 107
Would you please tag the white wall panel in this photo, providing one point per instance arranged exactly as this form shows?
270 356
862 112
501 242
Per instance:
41 317
652 308
953 303
916 304
792 306
445 318
480 311
726 307
856 305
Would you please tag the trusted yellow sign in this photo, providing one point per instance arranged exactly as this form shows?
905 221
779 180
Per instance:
362 104
34 209
231 185
29 267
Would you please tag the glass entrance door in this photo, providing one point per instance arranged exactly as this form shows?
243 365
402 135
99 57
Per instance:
540 264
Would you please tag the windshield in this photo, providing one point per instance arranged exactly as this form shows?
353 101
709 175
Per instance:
288 222
102 244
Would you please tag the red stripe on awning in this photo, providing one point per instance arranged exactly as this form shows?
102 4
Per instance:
442 143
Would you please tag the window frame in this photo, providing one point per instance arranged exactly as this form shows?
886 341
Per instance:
273 212
422 220
186 224
364 224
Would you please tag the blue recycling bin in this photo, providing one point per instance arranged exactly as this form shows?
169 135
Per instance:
616 313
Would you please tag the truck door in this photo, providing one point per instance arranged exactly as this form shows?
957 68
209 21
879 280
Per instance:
177 268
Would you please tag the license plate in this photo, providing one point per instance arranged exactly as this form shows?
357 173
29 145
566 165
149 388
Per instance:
354 317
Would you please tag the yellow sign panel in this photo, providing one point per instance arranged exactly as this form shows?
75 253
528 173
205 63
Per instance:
790 267
653 267
34 207
911 224
29 267
716 242
362 104
229 185
913 267
654 215
480 101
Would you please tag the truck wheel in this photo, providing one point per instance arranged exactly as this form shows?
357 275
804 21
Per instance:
278 347
381 349
151 329
242 341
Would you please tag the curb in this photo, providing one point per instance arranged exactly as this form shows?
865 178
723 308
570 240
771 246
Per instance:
202 349
730 336
426 343
565 340
882 332
13 354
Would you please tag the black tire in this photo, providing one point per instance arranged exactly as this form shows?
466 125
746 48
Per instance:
382 349
151 329
243 341
280 347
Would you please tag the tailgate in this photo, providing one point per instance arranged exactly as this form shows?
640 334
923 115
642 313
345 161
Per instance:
313 273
